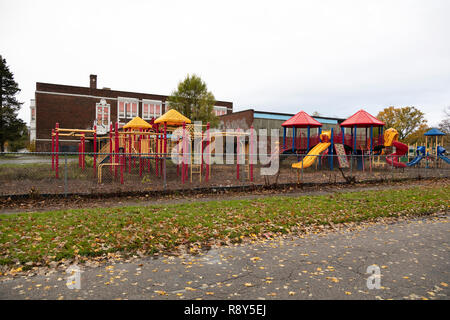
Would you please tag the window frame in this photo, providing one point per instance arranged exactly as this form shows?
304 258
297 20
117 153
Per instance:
155 103
125 114
103 105
33 114
216 108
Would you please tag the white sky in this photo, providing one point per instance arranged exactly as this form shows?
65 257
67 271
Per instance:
334 57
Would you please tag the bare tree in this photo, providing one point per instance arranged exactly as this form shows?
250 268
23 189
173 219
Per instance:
444 125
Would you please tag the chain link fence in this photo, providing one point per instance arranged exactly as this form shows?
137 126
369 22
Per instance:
63 174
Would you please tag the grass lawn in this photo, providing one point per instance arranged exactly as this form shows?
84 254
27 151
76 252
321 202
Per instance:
51 236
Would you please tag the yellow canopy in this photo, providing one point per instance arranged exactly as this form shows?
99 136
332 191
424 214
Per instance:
173 118
137 123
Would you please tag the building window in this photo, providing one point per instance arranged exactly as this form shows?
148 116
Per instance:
127 108
220 111
151 109
33 114
102 114
167 106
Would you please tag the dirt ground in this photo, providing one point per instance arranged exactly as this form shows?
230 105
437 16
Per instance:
43 182
38 203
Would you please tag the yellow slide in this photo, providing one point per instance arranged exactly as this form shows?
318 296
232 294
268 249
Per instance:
312 155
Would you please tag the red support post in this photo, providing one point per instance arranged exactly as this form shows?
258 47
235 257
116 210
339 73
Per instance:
148 152
130 141
110 146
133 138
125 148
57 150
140 154
161 151
183 151
165 143
237 154
95 149
53 149
157 150
250 156
178 156
116 147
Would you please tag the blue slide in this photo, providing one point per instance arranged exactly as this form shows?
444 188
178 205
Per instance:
441 154
420 155
414 161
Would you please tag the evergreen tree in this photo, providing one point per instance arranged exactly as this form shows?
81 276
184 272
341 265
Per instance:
11 128
193 100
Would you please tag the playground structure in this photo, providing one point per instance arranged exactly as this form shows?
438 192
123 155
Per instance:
391 140
356 148
324 144
141 149
83 135
433 153
344 145
148 145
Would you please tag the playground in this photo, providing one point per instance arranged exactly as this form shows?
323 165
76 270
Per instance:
171 153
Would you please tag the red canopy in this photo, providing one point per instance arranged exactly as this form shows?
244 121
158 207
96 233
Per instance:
362 119
301 120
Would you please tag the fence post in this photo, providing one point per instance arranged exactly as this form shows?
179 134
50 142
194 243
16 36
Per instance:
351 163
65 174
164 175
122 163
392 165
83 163
302 172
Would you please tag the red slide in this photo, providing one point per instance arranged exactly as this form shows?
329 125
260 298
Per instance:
400 150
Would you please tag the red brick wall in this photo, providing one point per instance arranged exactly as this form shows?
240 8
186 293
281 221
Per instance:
242 120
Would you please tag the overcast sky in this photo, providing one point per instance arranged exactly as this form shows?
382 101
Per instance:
334 57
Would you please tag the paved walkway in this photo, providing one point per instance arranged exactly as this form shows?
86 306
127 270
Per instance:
412 255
